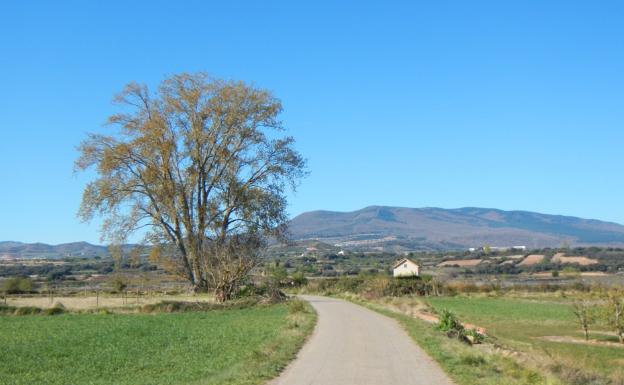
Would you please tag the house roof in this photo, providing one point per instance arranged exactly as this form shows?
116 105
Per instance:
402 261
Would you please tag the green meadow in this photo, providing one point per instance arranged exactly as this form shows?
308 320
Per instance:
522 324
243 346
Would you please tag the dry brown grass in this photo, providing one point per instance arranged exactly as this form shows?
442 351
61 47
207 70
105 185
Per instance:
461 262
93 302
581 260
532 259
596 274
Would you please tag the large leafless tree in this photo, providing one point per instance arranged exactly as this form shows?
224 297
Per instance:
203 165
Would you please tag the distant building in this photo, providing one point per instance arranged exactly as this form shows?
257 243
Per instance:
497 248
406 268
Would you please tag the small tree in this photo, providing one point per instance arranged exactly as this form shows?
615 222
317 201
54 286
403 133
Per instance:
119 285
277 275
585 315
615 312
299 278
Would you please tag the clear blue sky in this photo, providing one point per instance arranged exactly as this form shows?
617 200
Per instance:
513 105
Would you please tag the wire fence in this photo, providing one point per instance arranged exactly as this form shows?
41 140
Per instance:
94 296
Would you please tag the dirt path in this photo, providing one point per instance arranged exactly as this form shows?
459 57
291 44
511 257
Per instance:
352 345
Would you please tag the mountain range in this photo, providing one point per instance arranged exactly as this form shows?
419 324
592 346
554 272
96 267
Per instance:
400 229
385 228
11 249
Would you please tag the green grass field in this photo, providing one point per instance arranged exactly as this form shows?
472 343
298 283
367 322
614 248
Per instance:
520 323
244 346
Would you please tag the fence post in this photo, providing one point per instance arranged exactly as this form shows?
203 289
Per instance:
97 299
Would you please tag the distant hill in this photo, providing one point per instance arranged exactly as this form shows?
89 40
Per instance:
399 229
385 228
41 250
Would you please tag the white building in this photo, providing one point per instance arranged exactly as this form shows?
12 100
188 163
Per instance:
406 268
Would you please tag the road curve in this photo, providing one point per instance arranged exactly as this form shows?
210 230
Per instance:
352 345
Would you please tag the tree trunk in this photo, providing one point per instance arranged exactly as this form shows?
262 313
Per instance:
224 292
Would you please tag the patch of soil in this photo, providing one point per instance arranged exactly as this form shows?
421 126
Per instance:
461 262
575 340
532 259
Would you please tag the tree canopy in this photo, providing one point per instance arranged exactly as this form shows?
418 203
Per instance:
203 165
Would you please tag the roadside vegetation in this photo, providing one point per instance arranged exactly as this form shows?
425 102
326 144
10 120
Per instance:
550 332
171 345
493 334
466 364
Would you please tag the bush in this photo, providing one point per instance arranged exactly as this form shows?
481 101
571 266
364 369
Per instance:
58 273
27 310
119 285
299 279
448 322
6 309
450 325
296 306
474 336
58 308
407 286
18 285
180 307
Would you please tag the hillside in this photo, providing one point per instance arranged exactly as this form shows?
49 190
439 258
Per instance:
383 228
10 249
399 228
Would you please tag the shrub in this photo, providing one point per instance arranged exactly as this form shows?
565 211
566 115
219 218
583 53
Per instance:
58 273
18 285
180 306
296 306
6 309
119 285
474 336
407 286
450 325
58 308
299 279
448 322
27 310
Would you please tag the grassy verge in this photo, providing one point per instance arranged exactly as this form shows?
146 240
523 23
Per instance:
465 364
522 324
235 346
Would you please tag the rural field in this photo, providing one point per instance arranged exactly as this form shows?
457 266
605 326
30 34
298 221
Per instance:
311 193
234 346
104 300
546 330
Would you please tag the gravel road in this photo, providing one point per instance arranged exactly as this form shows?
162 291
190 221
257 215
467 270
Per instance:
352 345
